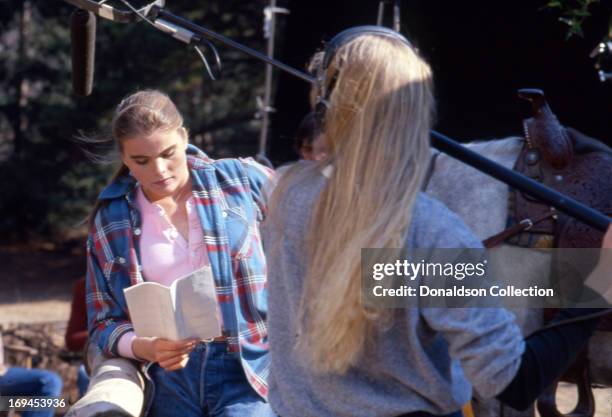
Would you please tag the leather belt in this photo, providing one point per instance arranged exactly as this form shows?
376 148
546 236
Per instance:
216 339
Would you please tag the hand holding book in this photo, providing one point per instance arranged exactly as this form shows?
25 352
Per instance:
185 310
169 354
168 321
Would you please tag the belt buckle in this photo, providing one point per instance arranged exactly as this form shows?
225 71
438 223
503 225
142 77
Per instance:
217 339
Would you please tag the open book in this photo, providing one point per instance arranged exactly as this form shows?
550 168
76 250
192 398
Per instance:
186 309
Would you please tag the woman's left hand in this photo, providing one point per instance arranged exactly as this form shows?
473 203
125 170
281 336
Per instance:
169 354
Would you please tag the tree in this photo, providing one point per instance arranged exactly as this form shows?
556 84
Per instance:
46 182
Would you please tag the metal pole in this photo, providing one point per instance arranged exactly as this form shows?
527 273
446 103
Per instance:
396 16
561 202
269 32
381 12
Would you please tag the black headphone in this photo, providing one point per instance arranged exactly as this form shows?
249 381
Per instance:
325 89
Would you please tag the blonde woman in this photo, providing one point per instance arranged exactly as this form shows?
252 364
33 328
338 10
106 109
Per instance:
330 356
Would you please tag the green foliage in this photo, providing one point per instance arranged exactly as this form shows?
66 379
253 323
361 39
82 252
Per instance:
573 14
46 182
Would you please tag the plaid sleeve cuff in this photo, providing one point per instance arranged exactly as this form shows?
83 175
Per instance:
115 337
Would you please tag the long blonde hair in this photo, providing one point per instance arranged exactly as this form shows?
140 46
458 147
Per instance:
138 115
377 139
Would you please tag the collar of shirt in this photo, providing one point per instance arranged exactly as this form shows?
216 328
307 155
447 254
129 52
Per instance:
165 254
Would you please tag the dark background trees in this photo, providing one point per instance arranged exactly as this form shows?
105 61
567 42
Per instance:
47 184
480 53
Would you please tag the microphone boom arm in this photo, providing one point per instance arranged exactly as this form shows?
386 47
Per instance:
444 144
111 13
158 12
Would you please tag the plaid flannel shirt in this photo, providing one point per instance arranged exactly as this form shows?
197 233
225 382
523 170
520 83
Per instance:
230 202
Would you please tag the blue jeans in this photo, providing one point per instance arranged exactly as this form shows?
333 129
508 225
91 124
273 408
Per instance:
31 382
82 380
213 384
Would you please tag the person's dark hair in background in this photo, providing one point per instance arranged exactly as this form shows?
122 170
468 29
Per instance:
308 141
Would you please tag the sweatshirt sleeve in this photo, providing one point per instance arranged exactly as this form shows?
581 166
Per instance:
486 341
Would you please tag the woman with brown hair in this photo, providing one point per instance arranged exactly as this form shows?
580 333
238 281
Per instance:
171 211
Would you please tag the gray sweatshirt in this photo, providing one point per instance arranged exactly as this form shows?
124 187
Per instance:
428 360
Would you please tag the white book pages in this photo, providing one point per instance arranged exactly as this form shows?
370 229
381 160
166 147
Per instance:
186 309
196 306
151 310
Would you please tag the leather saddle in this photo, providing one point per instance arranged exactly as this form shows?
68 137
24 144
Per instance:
569 162
577 166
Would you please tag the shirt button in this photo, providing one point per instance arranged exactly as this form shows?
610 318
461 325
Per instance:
137 231
225 214
121 260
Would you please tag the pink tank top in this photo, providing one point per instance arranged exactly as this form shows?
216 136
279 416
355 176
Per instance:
165 255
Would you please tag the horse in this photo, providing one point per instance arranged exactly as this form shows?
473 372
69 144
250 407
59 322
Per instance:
483 204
